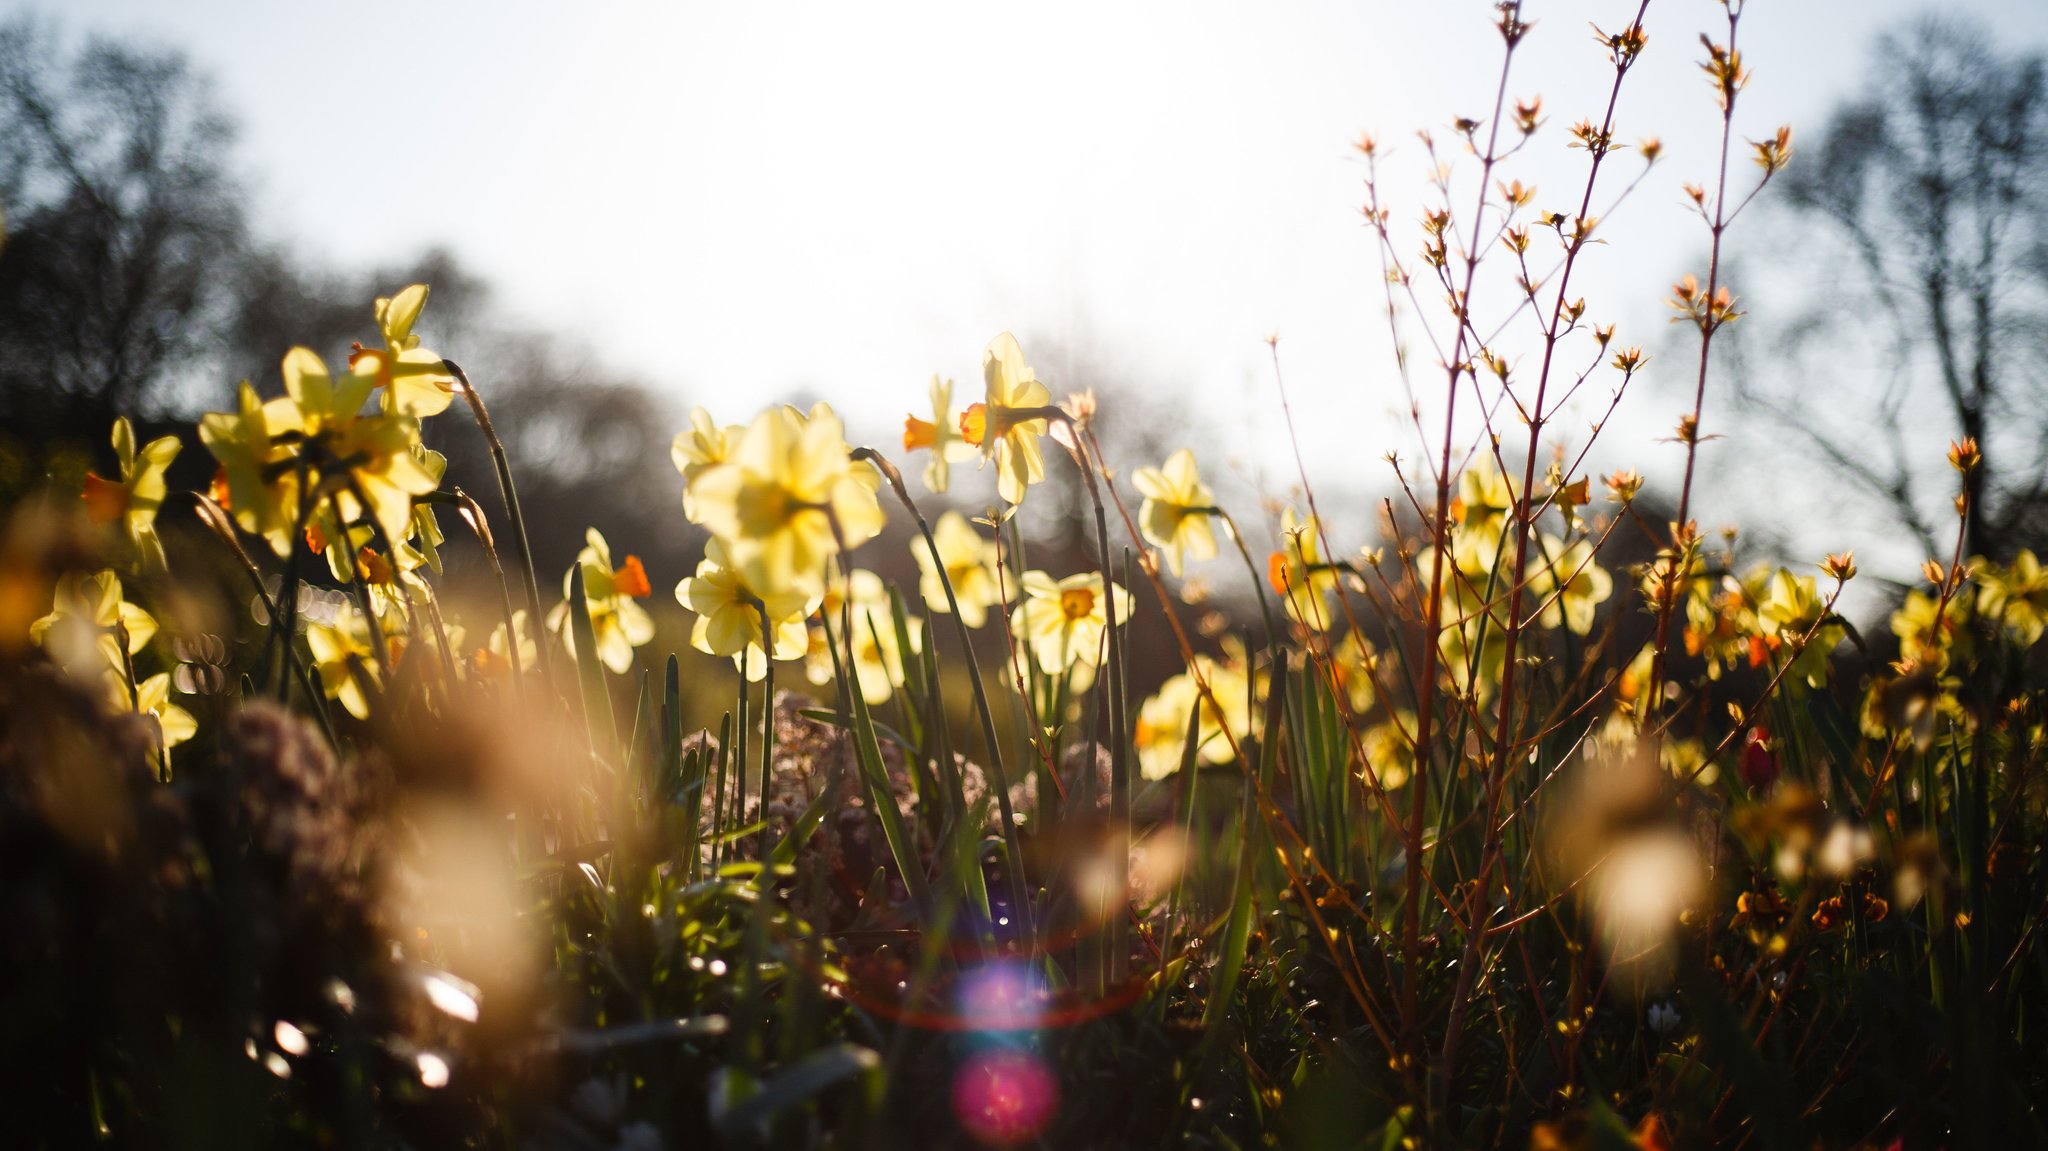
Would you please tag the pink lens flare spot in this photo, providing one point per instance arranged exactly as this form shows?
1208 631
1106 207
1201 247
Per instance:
1004 1097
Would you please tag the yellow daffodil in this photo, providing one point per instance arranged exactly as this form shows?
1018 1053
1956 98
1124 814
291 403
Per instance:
1175 515
260 487
414 381
1485 498
2016 596
342 652
969 564
704 445
776 499
1063 620
153 699
1788 612
940 436
1162 727
1001 425
1586 585
134 499
494 660
1299 574
1473 643
878 657
729 614
1355 661
377 450
1924 641
618 622
1389 748
92 629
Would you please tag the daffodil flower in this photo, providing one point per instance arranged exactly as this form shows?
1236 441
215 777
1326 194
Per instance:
341 652
377 450
776 501
1389 748
153 699
92 629
1791 609
1586 585
1063 620
1175 515
1300 576
940 436
704 445
618 622
2016 596
414 381
1001 425
495 659
729 614
967 561
135 497
261 489
1485 497
1162 727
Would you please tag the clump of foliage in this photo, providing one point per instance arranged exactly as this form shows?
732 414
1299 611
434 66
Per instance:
1543 819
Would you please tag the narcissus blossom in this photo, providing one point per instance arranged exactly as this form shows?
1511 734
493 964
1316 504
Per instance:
1299 574
133 499
1585 585
92 629
1063 620
414 381
776 500
1162 728
729 614
1001 426
704 445
940 436
1175 515
618 623
967 561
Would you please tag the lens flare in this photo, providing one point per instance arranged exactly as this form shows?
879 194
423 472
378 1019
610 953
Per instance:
1004 1097
1001 997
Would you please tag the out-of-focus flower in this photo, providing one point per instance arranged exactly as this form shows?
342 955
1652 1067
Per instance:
1389 747
2016 596
1759 760
1063 620
414 381
940 436
618 623
967 561
1300 576
1162 728
495 659
1000 425
1585 585
133 499
704 445
342 651
729 614
85 629
1175 515
1789 611
1485 497
261 487
878 656
776 499
153 699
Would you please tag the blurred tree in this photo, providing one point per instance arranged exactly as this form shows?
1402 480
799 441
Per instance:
122 218
1924 207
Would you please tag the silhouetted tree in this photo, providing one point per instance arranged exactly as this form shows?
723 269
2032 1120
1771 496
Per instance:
122 218
1924 208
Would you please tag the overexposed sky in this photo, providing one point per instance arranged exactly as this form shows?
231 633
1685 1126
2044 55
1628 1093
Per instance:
739 203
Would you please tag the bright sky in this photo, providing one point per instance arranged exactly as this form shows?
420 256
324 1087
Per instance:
746 201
